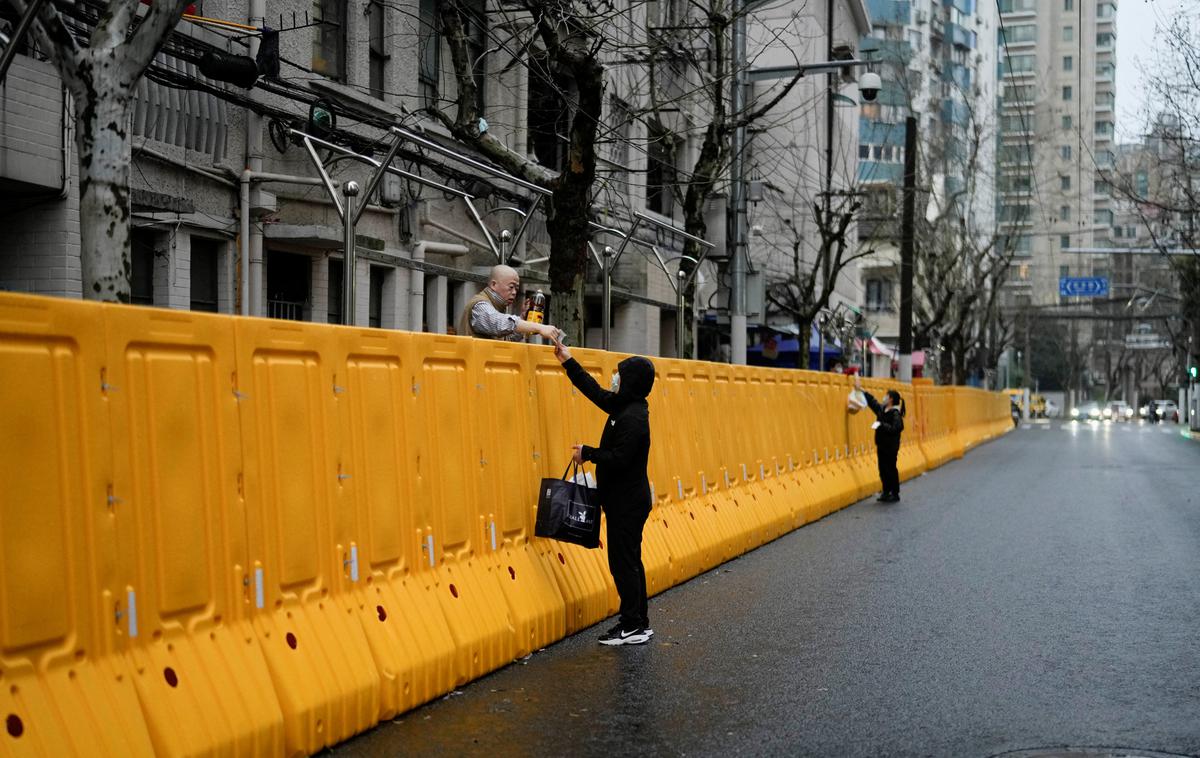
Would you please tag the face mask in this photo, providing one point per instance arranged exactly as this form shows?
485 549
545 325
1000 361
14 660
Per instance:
615 384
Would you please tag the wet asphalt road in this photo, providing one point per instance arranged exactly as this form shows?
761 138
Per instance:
1043 591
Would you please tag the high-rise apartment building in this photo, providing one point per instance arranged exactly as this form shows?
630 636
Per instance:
938 62
1057 115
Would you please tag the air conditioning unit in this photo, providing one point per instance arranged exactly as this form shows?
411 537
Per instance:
921 17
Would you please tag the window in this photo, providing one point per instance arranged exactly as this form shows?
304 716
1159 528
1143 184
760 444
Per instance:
1064 182
1118 231
1068 5
1019 64
378 56
1068 63
1068 34
1102 187
660 171
1104 218
1066 122
335 291
429 53
142 277
329 40
879 294
1104 70
1064 213
1104 39
864 152
1021 33
1014 213
1067 93
375 297
877 152
548 117
1016 6
1103 128
1065 152
621 121
1064 241
205 254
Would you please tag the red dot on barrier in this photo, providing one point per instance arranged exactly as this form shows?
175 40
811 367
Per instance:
381 612
454 590
291 640
16 727
562 560
512 572
171 677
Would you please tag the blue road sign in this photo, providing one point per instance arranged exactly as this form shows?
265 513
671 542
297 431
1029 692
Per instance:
1083 286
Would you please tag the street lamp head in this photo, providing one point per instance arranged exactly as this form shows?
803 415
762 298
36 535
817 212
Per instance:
869 85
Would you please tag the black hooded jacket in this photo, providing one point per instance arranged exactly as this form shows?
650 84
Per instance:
624 447
891 423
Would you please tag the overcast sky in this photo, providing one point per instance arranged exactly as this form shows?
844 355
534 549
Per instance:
1136 22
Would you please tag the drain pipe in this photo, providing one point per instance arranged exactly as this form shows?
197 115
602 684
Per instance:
416 278
252 246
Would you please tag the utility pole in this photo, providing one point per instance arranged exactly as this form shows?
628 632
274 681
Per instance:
736 220
907 230
831 88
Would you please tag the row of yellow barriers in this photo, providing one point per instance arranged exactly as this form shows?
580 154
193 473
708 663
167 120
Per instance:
224 536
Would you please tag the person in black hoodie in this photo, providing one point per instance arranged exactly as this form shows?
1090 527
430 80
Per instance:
889 423
622 482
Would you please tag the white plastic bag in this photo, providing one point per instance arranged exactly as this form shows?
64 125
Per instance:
856 401
585 478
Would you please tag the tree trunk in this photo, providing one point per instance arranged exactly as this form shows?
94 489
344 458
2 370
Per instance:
568 229
102 139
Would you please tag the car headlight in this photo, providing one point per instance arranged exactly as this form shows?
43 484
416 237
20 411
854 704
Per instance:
1074 412
1108 413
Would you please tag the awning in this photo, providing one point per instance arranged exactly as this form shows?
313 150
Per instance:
877 346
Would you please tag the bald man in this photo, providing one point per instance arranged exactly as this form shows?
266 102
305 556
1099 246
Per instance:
486 314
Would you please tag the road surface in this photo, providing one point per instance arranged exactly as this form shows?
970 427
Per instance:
1043 591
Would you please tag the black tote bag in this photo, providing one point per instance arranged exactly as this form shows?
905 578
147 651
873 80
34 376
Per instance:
568 511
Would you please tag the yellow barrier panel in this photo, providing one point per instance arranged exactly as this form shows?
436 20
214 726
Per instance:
407 633
308 528
511 471
447 501
565 418
316 651
64 617
200 674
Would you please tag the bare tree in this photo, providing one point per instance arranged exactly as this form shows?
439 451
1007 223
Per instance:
562 41
1162 181
101 73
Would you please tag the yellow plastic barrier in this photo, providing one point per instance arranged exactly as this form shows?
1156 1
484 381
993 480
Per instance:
64 618
407 633
511 469
303 529
293 483
565 418
201 678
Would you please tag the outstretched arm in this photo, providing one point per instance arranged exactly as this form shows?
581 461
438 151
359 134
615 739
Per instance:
582 380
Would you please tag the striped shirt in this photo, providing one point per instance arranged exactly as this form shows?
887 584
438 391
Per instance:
489 320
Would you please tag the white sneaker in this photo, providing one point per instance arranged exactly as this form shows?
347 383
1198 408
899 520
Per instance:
626 637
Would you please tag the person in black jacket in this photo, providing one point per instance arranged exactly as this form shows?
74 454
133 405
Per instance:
622 482
889 423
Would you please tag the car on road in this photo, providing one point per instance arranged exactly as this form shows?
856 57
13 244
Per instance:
1087 412
1118 410
1167 410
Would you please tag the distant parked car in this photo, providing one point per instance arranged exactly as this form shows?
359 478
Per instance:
1087 412
1052 409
